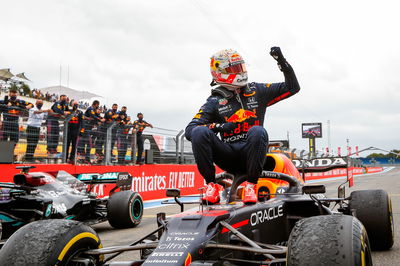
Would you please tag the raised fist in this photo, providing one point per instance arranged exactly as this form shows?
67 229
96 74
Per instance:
276 53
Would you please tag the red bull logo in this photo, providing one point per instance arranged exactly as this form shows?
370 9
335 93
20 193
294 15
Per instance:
241 115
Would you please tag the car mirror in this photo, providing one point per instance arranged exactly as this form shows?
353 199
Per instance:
314 189
173 192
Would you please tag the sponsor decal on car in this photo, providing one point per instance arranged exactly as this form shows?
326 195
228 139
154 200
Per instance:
320 162
266 215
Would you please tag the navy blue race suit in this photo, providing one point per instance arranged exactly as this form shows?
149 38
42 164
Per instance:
99 137
12 110
60 109
239 118
124 140
90 119
122 136
74 127
140 125
110 116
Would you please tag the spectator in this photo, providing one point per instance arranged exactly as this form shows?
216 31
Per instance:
11 107
59 110
100 137
36 116
74 126
111 116
121 122
123 139
139 126
89 120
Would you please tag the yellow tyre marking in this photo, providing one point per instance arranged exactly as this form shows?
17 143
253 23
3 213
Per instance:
391 216
73 241
362 258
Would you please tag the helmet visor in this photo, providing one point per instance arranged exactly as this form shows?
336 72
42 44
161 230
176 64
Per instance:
235 69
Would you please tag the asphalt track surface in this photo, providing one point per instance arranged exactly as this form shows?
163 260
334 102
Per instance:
389 181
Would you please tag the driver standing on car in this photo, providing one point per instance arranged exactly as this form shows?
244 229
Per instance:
236 111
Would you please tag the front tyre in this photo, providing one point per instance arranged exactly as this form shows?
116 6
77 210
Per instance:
51 242
374 209
125 209
329 240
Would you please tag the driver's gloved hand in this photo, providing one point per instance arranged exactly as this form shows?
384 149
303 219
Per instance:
276 53
222 127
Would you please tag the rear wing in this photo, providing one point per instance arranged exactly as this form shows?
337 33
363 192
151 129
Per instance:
323 165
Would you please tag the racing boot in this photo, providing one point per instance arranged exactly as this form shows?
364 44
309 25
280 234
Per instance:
250 196
211 195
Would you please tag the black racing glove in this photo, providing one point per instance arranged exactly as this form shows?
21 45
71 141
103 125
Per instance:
222 127
276 53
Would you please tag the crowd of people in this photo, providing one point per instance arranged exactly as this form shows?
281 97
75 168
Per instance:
50 97
85 129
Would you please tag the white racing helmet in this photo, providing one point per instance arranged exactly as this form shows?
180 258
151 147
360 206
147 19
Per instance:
228 69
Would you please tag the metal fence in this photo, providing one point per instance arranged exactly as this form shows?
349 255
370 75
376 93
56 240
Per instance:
58 141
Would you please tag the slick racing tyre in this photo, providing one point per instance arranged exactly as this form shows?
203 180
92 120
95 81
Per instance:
50 242
374 209
125 209
329 240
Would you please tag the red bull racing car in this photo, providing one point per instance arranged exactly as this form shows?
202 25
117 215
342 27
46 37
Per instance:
40 195
292 224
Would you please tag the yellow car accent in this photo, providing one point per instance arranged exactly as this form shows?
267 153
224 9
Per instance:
74 240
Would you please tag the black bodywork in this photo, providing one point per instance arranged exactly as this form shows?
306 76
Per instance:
230 231
39 195
221 232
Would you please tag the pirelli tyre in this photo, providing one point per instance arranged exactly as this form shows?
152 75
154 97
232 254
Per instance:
329 240
51 242
374 209
125 209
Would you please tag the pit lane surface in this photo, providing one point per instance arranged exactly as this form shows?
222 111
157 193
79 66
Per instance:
389 181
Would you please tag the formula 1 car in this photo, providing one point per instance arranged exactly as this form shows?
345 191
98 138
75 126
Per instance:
39 195
297 226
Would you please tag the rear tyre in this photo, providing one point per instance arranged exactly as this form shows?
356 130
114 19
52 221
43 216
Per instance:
125 209
50 242
374 209
329 240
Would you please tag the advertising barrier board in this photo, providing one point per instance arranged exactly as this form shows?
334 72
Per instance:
152 180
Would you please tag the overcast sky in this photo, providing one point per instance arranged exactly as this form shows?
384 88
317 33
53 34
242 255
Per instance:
153 56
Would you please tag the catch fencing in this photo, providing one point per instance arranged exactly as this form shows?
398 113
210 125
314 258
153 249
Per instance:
95 143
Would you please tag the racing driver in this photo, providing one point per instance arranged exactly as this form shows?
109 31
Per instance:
236 111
